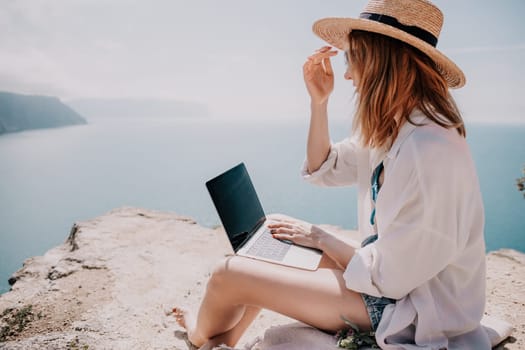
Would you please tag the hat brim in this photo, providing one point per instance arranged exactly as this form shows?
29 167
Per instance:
335 31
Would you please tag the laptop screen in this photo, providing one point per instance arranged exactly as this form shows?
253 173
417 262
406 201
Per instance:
236 202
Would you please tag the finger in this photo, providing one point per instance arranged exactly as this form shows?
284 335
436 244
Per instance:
278 222
281 224
313 60
284 236
306 69
323 49
275 228
319 57
324 53
284 230
327 65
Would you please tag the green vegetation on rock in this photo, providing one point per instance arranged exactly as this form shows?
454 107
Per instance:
521 183
13 321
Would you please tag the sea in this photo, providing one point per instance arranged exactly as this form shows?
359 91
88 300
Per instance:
52 178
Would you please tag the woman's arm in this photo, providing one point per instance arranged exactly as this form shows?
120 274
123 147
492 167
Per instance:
318 144
338 250
319 80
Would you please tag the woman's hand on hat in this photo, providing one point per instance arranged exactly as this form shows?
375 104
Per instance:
299 233
318 74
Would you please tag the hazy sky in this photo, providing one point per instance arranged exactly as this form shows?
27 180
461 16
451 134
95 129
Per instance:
242 58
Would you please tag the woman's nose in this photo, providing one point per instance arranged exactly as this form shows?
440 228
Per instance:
347 75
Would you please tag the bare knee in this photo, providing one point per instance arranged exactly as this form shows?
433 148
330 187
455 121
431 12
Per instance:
221 275
232 277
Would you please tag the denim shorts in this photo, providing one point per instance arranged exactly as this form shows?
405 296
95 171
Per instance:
374 305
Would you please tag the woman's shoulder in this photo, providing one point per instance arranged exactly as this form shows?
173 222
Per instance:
429 138
438 151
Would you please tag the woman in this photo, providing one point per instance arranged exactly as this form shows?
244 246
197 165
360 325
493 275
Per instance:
419 277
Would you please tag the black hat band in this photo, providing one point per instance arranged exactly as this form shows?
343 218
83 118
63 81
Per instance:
419 33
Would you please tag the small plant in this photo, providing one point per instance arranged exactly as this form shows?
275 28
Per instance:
352 338
75 345
520 183
15 321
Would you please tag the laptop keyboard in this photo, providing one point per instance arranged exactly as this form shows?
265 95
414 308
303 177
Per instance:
268 247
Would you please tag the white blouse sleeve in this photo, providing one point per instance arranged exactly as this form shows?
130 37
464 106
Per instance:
417 221
340 167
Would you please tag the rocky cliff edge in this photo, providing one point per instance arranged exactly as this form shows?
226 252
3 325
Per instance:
109 284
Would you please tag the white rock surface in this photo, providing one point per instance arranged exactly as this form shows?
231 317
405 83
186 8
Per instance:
109 284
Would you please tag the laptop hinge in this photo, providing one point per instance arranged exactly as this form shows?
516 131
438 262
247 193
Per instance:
250 234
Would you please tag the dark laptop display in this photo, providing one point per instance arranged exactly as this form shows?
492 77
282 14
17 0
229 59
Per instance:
237 203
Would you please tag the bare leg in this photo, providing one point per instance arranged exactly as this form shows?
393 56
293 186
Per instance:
318 298
233 335
187 320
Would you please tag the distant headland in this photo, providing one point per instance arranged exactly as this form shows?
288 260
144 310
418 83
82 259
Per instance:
24 112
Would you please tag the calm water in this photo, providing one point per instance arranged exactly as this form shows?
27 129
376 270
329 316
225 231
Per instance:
52 178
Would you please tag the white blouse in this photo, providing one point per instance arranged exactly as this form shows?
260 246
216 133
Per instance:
430 254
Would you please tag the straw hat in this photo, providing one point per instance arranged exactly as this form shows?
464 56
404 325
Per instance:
416 22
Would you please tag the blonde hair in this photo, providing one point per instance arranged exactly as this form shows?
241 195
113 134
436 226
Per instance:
394 79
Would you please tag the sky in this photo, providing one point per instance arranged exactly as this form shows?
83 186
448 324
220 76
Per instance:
241 58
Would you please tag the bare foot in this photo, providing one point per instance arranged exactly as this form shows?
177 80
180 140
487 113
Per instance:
187 320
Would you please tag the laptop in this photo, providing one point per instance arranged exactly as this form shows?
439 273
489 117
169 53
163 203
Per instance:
245 223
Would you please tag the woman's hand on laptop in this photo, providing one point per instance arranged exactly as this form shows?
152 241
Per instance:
299 233
308 235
